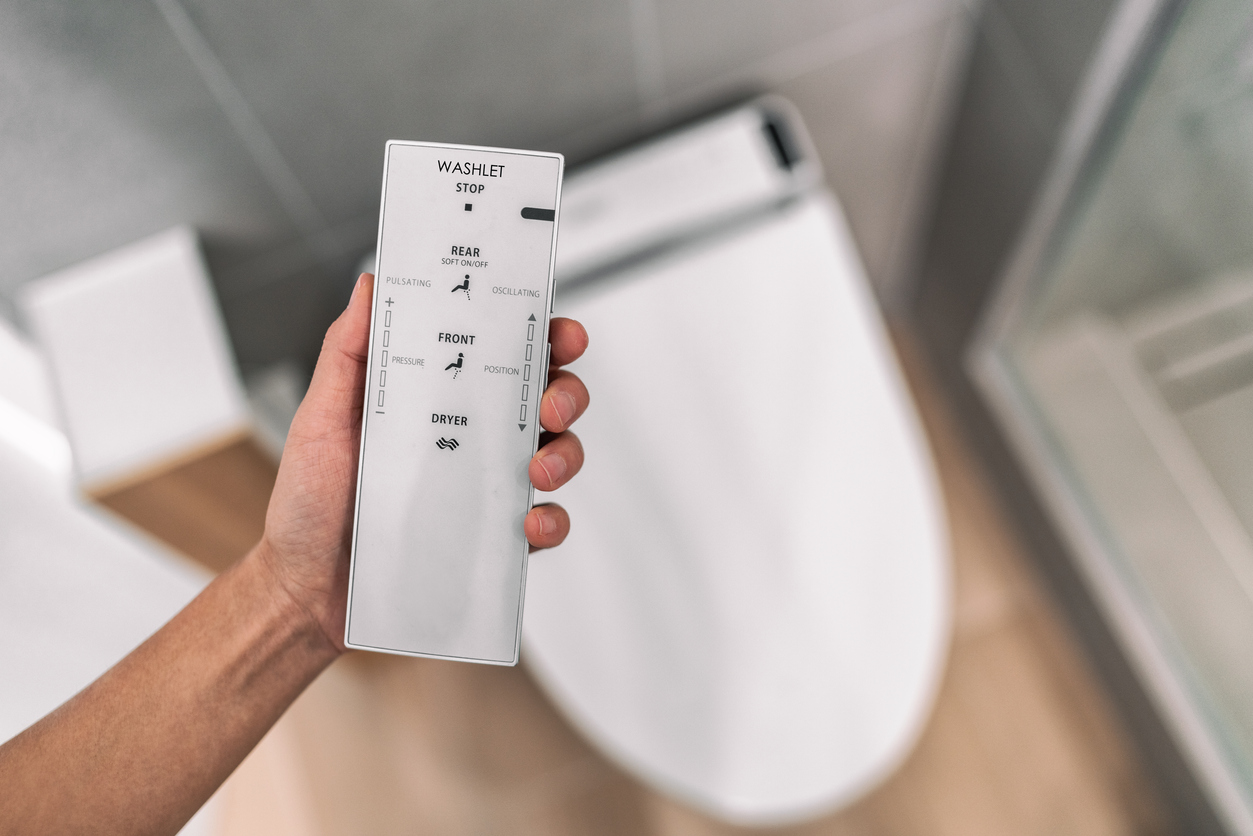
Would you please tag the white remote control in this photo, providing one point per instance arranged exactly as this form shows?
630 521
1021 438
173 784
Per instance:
458 360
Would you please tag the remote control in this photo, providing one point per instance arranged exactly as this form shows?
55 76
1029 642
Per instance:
458 360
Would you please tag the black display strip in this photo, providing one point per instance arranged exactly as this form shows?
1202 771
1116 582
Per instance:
533 214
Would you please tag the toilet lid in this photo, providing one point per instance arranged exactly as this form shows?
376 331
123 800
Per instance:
751 610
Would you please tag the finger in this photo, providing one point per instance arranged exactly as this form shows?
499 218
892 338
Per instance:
568 338
564 401
338 383
556 462
546 526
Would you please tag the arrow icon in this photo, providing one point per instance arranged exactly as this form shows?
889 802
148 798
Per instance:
531 318
522 426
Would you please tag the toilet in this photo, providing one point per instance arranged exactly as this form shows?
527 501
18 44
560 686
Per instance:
751 613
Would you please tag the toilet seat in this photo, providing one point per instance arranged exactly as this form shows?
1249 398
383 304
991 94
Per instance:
751 611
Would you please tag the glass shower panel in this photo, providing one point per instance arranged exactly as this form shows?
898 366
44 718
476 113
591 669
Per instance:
1127 361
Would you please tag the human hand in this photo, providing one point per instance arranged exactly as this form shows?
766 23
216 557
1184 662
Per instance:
308 526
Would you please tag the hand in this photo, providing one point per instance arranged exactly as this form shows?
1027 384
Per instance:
141 748
308 527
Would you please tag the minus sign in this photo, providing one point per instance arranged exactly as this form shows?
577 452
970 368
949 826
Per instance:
380 412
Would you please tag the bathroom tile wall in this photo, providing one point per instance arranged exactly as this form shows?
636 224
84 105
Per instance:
1025 63
262 124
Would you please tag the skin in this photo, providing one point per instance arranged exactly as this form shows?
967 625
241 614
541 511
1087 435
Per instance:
143 747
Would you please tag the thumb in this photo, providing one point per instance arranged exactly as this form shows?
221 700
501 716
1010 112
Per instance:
338 384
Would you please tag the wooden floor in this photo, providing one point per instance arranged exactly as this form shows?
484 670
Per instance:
210 506
1020 742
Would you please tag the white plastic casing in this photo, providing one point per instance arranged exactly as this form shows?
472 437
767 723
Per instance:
458 360
142 365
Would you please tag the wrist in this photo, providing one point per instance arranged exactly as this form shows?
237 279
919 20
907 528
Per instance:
295 608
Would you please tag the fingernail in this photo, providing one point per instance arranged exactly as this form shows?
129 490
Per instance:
547 525
564 404
554 466
356 289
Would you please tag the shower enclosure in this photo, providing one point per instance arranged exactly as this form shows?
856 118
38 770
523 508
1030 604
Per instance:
1117 358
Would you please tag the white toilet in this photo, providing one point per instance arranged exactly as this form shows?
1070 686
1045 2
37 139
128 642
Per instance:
751 613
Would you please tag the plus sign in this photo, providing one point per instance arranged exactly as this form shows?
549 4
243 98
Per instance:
389 303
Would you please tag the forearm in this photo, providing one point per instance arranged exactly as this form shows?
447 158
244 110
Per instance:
144 746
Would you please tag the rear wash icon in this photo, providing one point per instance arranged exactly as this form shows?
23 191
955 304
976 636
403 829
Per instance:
463 286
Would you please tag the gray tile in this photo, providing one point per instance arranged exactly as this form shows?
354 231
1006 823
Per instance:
998 152
109 136
285 319
873 116
704 41
1057 37
332 81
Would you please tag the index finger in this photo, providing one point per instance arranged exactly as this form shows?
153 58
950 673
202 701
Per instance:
568 338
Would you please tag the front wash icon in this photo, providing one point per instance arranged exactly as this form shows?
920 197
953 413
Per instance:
447 444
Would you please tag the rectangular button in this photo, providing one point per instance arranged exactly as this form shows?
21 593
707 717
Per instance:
522 414
387 319
383 359
380 397
528 352
526 372
530 332
525 390
382 378
386 335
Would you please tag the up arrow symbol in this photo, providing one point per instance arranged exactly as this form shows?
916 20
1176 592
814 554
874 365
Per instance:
531 318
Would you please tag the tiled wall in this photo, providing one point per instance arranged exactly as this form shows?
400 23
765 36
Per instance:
262 123
1026 61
